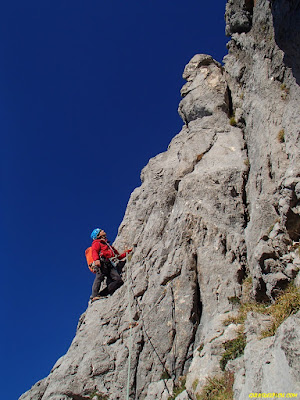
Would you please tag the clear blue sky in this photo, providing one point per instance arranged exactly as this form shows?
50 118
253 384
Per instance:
88 93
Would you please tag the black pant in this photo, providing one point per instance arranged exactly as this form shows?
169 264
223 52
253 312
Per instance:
114 279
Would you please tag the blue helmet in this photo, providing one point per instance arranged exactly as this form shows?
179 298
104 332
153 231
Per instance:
95 233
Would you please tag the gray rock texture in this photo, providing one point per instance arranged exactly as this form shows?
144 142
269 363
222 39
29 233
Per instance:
221 203
265 97
272 364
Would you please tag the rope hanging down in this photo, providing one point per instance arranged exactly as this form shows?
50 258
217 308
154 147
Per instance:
130 327
129 287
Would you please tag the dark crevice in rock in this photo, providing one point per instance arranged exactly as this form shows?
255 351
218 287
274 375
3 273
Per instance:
112 341
173 367
176 184
244 198
223 243
270 168
197 307
241 274
245 178
242 259
228 101
286 17
180 368
73 396
233 192
293 225
291 215
266 256
171 277
294 199
170 200
195 319
249 4
197 311
260 291
140 292
276 208
279 287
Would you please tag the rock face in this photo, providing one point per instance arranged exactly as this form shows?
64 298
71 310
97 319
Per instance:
277 368
265 98
221 203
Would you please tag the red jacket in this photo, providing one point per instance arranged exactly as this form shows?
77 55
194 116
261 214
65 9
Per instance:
101 247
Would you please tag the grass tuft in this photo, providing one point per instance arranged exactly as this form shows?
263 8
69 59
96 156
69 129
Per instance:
234 300
179 388
232 121
285 91
218 388
287 303
280 135
243 311
165 375
200 348
233 349
247 162
195 384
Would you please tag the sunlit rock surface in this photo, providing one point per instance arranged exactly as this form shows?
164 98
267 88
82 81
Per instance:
222 203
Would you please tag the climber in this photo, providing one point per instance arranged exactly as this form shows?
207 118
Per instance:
105 264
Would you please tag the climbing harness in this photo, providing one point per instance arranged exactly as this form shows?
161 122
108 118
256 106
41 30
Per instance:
89 257
114 260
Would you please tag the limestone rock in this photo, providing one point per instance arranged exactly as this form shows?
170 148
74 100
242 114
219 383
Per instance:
266 90
183 396
238 16
255 324
271 365
220 204
205 90
160 390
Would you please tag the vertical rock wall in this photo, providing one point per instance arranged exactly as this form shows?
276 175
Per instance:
265 97
222 202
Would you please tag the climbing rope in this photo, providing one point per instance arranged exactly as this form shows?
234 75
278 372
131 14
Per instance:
129 287
146 333
130 328
142 316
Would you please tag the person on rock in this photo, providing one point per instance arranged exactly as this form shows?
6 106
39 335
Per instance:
106 259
